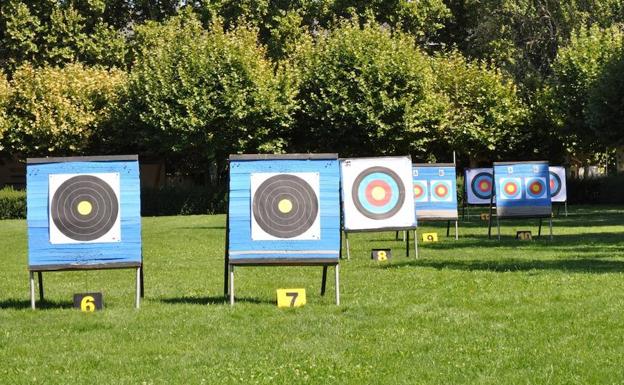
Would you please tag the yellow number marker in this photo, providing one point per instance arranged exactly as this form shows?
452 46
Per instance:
291 297
87 304
430 237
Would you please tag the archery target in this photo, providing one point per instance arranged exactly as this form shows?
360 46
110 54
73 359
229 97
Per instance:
555 184
421 193
558 190
285 206
511 188
378 193
84 208
535 188
441 191
481 185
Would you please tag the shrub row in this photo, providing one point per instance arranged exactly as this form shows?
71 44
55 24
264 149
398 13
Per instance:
12 203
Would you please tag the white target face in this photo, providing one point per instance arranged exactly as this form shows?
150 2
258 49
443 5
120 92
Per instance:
378 193
285 206
84 208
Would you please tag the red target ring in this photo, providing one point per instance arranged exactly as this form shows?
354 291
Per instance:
378 193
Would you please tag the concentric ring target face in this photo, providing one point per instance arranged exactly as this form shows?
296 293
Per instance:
378 193
536 188
420 191
510 188
285 206
441 191
84 208
482 185
555 184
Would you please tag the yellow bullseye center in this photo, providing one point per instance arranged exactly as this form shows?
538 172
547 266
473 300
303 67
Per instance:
84 208
284 206
378 193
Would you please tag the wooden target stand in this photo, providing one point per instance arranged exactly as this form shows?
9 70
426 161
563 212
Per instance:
228 271
406 237
57 268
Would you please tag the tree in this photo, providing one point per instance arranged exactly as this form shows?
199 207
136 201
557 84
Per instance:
365 91
485 113
576 70
605 105
56 33
59 111
197 95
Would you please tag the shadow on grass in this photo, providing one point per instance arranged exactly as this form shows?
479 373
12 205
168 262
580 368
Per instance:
18 304
596 266
213 300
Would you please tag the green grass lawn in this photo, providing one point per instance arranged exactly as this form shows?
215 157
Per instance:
473 311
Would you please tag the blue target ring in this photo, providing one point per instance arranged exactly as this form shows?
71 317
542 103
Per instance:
378 193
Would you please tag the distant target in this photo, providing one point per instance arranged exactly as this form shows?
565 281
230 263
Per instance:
285 206
420 191
440 191
555 184
482 185
535 187
84 208
510 188
378 193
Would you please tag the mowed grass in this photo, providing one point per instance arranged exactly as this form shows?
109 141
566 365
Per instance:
473 311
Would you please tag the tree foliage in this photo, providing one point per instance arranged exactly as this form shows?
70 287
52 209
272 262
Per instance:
576 70
485 113
365 91
199 95
52 111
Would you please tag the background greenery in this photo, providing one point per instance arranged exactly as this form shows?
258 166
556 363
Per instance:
191 82
473 311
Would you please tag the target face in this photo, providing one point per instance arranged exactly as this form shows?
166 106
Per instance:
84 208
555 184
285 206
420 191
481 185
441 191
535 188
510 188
378 193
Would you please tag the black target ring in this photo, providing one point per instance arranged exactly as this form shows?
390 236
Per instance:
93 192
355 194
302 209
557 183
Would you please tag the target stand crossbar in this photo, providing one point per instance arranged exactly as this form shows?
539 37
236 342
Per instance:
230 265
140 289
406 238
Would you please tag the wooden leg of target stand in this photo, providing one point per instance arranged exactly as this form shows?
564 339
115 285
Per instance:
32 290
415 244
142 284
40 279
448 229
337 268
539 230
456 230
347 245
407 245
551 234
137 302
324 280
231 272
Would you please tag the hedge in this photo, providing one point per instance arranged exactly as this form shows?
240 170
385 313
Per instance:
12 203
